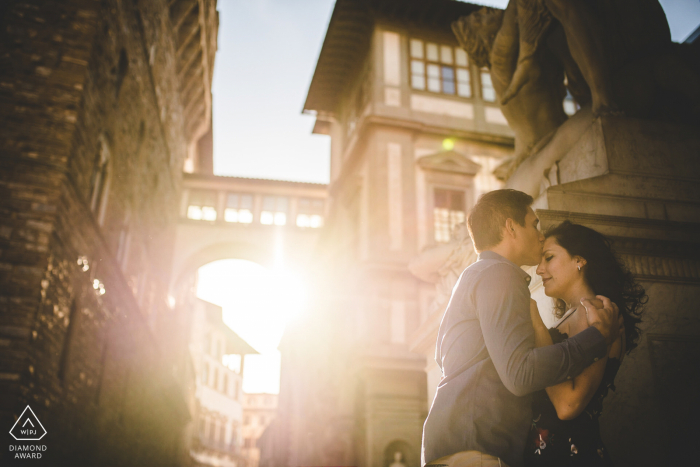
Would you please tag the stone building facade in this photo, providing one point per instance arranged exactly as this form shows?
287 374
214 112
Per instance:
218 356
102 104
259 411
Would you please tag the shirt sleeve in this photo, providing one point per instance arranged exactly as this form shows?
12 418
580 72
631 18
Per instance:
502 303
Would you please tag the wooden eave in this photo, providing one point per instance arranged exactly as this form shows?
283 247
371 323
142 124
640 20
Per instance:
349 34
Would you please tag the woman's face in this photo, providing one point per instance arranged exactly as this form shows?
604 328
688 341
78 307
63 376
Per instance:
558 270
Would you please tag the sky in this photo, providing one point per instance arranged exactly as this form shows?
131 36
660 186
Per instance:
266 57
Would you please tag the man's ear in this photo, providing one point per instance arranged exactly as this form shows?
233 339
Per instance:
510 228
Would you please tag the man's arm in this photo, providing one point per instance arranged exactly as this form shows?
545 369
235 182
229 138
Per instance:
502 303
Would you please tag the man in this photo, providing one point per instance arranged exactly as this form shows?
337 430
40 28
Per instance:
486 349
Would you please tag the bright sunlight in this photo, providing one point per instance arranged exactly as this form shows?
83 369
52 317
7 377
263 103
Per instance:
257 304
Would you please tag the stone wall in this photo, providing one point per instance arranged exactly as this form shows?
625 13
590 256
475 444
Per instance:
82 80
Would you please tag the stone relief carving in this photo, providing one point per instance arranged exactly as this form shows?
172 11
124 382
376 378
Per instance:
443 265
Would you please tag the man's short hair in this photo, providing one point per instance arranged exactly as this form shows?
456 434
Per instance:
488 216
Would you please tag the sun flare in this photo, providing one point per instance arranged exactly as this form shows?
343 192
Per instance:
257 304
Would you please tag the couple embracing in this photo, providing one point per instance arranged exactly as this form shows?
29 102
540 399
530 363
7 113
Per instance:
513 392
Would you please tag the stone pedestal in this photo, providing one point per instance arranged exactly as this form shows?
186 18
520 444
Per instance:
638 182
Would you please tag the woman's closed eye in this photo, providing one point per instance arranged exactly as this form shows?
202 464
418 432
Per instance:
547 258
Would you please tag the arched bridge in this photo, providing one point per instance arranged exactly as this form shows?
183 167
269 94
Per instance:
270 222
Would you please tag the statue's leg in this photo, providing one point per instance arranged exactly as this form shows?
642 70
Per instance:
576 83
533 21
585 38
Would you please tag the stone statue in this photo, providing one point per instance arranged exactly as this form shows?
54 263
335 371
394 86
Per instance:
615 55
584 37
490 37
397 460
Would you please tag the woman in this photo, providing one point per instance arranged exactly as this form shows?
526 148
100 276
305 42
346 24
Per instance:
578 263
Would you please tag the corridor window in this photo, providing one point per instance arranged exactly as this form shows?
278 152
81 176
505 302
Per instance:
448 212
487 91
439 68
239 208
274 210
310 213
202 205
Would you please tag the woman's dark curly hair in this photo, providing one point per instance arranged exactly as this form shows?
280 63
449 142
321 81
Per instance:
604 273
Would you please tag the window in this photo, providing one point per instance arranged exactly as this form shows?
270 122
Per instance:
274 210
207 344
222 435
246 420
225 384
487 92
310 213
124 240
215 383
99 182
448 212
67 341
202 205
239 208
439 68
205 373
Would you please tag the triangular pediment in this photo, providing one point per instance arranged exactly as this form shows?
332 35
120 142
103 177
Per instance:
449 161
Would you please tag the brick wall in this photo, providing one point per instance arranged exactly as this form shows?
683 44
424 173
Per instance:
80 78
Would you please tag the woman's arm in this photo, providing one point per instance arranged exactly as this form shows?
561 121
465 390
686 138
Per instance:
571 397
542 337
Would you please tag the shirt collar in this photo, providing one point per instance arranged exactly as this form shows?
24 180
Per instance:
488 254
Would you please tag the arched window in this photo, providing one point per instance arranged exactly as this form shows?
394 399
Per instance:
99 182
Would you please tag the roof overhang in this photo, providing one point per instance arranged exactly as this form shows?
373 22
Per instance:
349 34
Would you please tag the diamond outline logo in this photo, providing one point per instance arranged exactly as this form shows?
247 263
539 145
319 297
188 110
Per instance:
28 419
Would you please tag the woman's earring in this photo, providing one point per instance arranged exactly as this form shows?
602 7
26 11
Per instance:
579 268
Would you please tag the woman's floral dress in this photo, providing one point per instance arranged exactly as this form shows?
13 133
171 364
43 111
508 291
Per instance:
563 443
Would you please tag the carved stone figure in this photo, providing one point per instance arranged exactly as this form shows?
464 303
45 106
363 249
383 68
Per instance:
490 37
584 37
616 55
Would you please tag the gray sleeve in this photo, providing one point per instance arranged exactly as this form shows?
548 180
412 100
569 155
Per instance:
502 302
